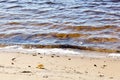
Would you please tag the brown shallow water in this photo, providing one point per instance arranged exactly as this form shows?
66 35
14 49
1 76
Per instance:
78 24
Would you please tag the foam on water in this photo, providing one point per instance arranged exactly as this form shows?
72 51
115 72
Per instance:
58 51
114 55
16 48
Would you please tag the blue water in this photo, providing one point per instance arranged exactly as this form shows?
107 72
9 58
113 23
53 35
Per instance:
70 23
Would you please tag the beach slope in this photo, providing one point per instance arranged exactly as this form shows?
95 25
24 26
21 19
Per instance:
20 66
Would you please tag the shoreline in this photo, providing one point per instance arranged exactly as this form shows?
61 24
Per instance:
37 66
84 48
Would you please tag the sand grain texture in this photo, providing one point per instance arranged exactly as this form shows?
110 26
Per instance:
18 66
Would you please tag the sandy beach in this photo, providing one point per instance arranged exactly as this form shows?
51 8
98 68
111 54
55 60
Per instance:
59 39
37 66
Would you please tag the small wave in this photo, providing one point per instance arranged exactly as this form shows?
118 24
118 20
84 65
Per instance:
13 7
102 40
81 37
13 23
90 28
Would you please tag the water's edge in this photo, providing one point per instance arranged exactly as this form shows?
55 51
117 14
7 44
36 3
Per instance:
30 46
57 51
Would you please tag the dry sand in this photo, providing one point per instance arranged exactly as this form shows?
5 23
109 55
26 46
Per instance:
19 66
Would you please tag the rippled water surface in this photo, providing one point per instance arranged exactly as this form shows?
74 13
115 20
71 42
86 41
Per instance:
83 24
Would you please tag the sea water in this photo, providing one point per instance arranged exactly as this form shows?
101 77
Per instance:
78 24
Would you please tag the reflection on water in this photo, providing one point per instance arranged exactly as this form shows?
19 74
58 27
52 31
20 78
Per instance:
61 23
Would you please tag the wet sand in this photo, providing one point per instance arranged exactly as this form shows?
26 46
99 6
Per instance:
21 66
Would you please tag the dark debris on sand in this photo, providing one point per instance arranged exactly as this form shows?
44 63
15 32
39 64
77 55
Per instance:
26 72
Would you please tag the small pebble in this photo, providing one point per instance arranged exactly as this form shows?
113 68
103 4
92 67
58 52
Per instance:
39 53
101 75
29 66
26 72
69 58
95 65
104 65
40 66
57 56
12 63
45 76
41 57
52 56
34 55
13 59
